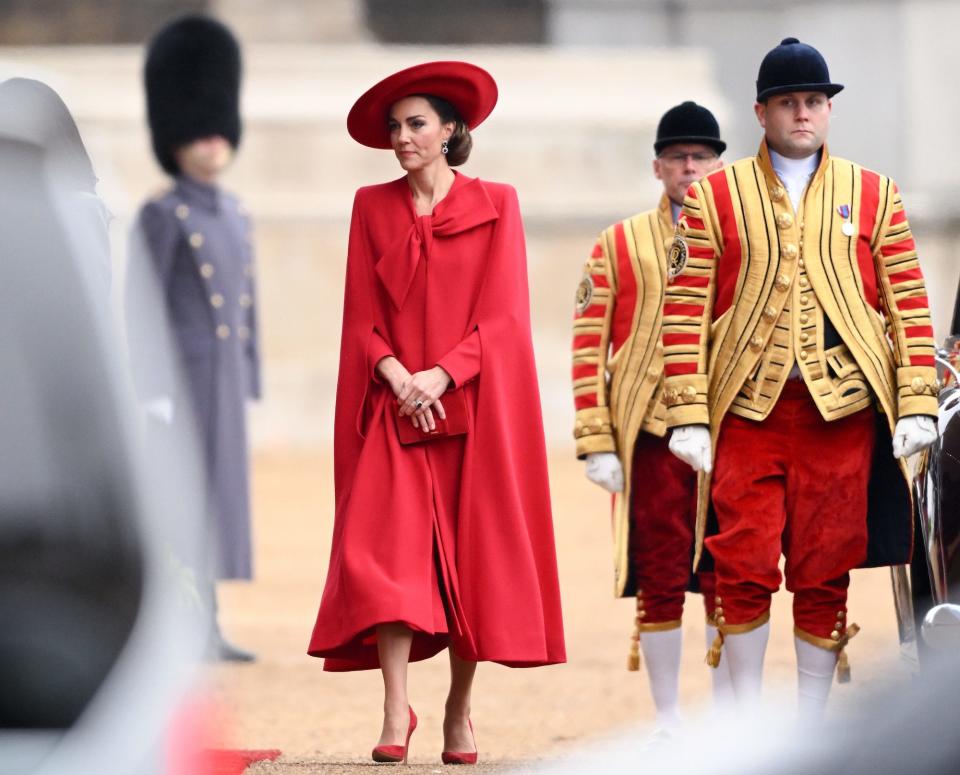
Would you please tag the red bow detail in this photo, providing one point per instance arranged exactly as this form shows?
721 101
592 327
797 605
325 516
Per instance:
464 208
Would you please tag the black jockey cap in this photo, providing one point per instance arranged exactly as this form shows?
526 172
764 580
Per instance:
192 75
688 123
794 66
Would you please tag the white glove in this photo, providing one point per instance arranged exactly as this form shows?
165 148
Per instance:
691 443
913 434
160 408
604 468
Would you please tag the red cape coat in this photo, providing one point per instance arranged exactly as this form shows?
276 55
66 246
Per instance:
452 537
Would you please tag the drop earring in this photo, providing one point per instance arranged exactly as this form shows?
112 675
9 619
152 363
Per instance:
444 148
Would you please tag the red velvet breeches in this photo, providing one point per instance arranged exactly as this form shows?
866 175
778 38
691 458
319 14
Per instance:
797 485
664 495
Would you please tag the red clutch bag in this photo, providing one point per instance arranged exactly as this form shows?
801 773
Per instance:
454 406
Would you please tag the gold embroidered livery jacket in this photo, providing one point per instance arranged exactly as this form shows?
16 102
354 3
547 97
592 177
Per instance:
834 288
617 354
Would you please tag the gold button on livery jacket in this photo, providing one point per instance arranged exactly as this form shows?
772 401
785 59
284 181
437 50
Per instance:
834 287
617 355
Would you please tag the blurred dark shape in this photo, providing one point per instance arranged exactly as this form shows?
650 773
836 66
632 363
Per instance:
935 570
71 568
955 321
192 78
445 22
86 22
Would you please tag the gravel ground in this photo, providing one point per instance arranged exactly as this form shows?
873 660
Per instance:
327 723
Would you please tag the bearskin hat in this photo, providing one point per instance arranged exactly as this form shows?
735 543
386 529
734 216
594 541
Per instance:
192 77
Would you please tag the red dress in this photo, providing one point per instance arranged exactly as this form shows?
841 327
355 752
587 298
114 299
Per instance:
452 537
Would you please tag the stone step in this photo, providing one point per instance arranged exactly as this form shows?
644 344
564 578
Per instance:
288 21
573 132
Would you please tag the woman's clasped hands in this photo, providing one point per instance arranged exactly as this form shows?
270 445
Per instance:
418 394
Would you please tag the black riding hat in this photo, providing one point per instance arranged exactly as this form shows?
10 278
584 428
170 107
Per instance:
688 123
192 76
794 66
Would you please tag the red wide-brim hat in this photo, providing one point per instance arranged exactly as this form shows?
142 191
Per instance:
470 89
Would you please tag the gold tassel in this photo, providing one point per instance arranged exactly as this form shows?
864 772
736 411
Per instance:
843 662
633 661
713 655
843 667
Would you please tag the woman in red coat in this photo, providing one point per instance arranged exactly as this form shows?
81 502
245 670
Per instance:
443 536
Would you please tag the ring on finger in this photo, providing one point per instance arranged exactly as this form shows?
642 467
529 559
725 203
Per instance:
419 404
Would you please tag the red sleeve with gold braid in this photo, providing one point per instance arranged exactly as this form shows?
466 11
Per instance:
687 314
903 296
593 430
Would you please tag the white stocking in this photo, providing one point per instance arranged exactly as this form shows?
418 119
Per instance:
661 652
744 654
815 668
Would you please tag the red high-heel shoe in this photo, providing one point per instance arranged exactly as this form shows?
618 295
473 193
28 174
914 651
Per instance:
396 753
453 757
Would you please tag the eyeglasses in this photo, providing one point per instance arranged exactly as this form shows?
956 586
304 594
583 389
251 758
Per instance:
678 159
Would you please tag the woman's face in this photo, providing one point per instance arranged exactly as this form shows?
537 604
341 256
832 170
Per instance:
416 133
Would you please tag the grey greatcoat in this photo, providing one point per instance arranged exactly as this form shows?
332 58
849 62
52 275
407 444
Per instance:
197 239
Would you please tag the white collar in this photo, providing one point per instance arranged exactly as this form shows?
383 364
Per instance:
794 169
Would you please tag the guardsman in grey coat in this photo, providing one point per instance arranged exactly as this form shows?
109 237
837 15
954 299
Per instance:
198 251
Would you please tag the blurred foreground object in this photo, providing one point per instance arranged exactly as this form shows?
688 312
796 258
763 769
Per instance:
935 571
892 728
97 648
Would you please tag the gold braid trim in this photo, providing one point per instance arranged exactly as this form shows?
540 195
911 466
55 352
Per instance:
660 626
838 644
713 654
739 629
